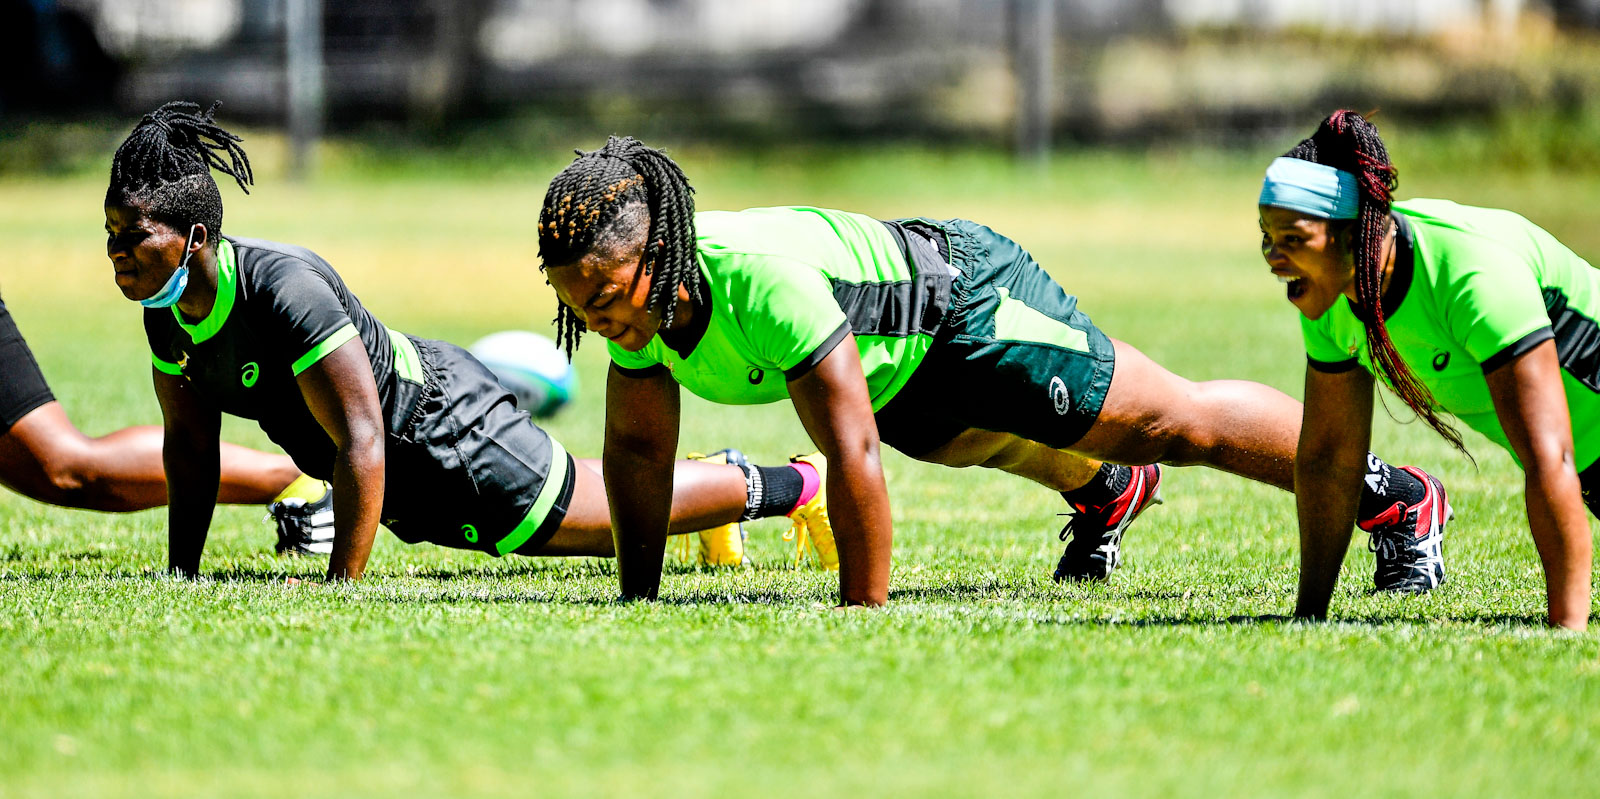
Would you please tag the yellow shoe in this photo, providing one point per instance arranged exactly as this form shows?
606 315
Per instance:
724 545
812 529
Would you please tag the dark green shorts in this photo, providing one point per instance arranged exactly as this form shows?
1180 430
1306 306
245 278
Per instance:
1014 355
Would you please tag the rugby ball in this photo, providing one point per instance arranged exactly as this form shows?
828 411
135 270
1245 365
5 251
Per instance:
531 367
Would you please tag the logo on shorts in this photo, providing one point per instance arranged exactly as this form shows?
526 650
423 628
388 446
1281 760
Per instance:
1440 361
756 375
1059 395
249 374
470 533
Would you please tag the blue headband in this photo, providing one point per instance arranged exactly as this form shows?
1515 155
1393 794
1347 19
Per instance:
1310 188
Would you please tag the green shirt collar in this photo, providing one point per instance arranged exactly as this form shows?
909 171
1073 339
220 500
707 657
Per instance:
227 287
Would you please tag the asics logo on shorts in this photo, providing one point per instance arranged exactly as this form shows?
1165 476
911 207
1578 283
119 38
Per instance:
1059 395
755 376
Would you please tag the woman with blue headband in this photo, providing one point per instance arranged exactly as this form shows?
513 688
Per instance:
1469 311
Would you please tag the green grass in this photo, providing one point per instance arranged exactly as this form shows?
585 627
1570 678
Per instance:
446 673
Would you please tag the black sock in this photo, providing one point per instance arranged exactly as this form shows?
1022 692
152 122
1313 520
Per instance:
771 490
1385 485
1106 485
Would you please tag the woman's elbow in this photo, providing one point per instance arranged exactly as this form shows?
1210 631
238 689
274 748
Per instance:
860 447
365 447
1551 456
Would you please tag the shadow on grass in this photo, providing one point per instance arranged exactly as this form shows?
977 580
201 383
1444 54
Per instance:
1055 608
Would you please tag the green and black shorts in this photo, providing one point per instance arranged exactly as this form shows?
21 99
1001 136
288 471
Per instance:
1014 354
466 469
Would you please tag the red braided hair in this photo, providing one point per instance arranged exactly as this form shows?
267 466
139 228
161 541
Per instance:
1347 141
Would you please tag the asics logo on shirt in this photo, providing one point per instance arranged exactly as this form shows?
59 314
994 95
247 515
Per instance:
755 376
249 374
470 533
1059 395
1440 361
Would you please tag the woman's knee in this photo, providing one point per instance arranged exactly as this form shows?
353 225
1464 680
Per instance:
47 465
1188 434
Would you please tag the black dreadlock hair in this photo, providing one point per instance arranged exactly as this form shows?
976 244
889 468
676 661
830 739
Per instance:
164 166
1347 141
593 203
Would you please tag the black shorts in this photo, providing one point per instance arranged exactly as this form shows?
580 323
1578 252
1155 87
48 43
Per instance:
1014 355
22 386
467 469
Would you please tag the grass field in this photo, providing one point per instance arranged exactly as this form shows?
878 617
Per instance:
445 673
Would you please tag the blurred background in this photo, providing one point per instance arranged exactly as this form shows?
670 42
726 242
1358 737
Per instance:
1022 75
1120 141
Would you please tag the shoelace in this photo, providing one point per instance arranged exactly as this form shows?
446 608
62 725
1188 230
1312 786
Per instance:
800 534
1396 546
1072 519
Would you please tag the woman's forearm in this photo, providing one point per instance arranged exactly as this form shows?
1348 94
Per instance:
358 484
858 504
1327 489
193 475
1560 527
640 492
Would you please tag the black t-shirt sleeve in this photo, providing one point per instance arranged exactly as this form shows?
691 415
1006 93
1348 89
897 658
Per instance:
301 312
158 334
824 350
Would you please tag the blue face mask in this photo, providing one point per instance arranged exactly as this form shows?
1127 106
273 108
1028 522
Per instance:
169 293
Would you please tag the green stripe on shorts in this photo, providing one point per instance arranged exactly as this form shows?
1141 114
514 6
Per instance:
407 363
1015 321
548 494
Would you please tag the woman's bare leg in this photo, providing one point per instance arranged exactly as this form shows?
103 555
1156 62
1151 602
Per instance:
1052 468
704 495
44 457
1154 416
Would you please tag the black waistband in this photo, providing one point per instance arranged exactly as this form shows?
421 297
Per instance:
930 292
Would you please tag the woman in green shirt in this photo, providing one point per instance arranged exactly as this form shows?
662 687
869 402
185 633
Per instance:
1469 311
943 339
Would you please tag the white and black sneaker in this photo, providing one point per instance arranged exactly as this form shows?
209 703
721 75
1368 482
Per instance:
304 528
1409 540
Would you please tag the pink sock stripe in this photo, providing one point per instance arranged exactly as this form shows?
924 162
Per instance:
810 483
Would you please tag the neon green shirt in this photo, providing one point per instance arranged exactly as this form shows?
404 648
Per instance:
1472 289
783 287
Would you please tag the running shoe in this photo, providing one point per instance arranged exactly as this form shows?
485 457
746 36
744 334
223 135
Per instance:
722 545
304 528
1409 540
1095 546
812 531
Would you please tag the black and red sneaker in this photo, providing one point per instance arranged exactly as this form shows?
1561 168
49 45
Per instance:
1409 540
1095 547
